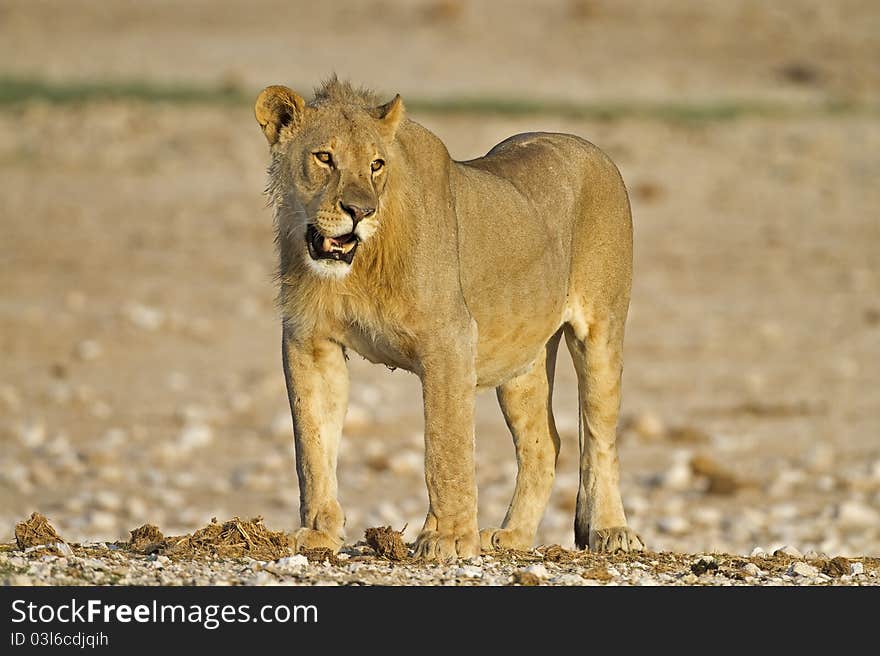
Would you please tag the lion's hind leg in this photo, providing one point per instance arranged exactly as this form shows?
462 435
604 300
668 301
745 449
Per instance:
600 522
526 404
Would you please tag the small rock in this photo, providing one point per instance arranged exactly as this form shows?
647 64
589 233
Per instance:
787 550
800 568
407 462
100 409
281 425
195 436
357 418
835 567
143 316
675 525
159 562
856 515
704 564
820 457
720 481
856 568
261 578
568 578
88 349
102 522
522 577
64 549
758 552
538 570
32 435
648 426
108 500
678 477
750 569
468 572
290 563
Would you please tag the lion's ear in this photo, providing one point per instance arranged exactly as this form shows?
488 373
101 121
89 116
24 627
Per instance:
390 115
276 107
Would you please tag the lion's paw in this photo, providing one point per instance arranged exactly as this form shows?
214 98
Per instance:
309 538
503 538
446 545
615 538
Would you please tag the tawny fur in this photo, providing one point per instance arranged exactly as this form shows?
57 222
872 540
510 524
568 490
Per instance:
467 274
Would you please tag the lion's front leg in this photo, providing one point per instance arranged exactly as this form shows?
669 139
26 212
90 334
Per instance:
317 387
450 529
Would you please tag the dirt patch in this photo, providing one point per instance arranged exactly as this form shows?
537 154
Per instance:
320 555
721 481
387 543
36 531
234 538
597 574
524 577
556 554
836 567
146 539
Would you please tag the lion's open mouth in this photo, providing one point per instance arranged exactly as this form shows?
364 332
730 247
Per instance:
340 248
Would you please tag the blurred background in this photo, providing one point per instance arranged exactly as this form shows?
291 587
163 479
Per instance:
140 374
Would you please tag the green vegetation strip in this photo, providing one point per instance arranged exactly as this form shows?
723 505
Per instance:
16 91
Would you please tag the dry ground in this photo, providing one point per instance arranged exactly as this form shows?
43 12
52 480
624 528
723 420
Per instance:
139 370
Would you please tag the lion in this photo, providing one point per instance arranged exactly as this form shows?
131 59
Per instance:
465 273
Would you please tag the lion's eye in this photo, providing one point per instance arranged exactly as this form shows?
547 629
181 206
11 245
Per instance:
324 158
376 164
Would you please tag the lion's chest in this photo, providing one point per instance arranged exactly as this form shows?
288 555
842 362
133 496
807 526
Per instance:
378 349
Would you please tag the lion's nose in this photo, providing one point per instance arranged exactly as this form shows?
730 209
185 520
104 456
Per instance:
356 212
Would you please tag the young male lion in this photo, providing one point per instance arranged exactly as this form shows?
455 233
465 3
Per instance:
464 273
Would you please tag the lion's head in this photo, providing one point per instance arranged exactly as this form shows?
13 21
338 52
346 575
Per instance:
331 159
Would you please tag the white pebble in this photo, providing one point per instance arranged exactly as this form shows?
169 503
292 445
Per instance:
144 316
160 561
289 564
856 568
64 549
407 462
357 418
787 550
538 570
675 525
468 572
102 522
854 514
32 435
649 426
800 568
195 436
750 569
680 475
568 579
820 457
281 425
107 500
758 552
88 349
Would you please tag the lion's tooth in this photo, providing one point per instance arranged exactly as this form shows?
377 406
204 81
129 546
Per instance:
328 244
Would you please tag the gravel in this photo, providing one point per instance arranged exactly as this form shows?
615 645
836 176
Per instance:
111 564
